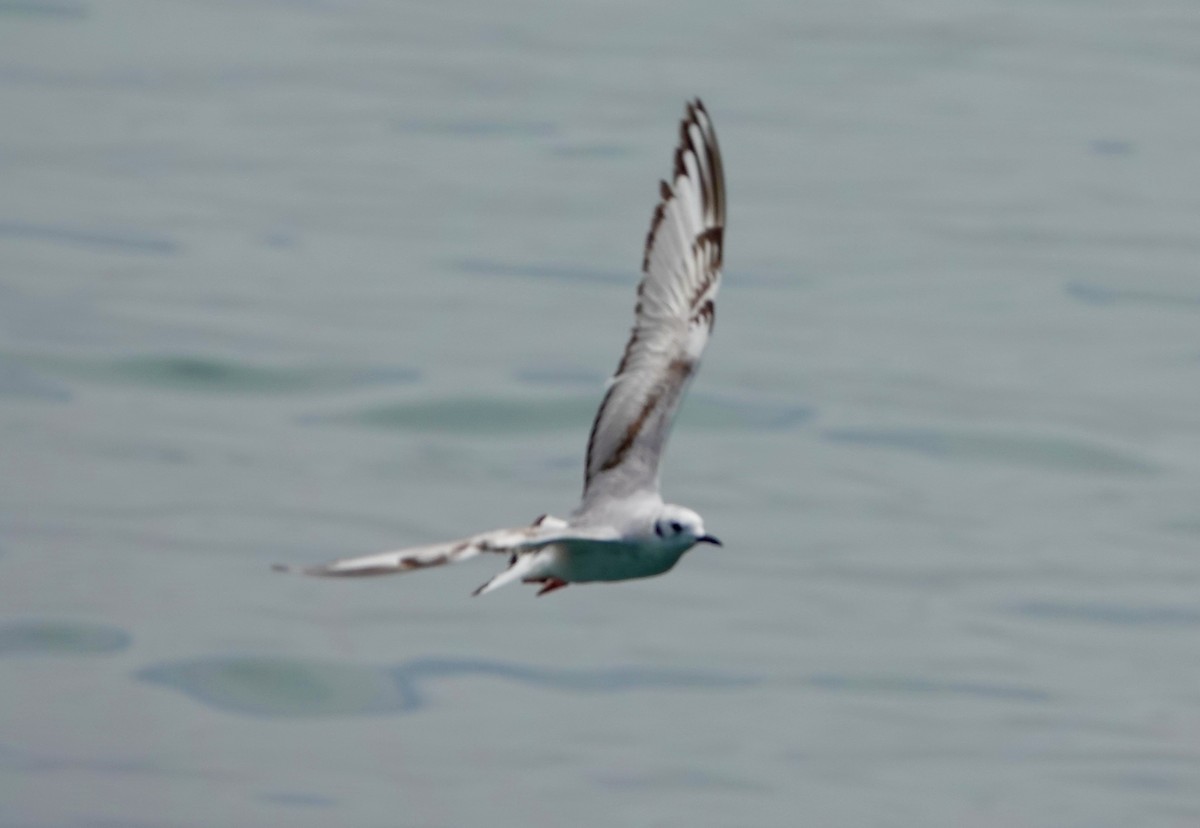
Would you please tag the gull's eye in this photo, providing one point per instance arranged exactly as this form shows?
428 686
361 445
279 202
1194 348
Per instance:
676 527
658 529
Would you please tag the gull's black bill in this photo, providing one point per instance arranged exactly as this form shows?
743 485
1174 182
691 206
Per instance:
709 539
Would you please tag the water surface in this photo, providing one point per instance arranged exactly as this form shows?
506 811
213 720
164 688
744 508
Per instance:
284 281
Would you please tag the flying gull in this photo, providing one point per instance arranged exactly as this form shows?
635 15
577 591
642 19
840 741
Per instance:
622 529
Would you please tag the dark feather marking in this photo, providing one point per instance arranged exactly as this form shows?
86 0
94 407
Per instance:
631 433
713 238
680 369
624 363
677 374
655 221
587 462
416 563
707 248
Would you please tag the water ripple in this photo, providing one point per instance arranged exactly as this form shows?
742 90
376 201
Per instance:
61 638
127 241
683 779
216 375
299 799
1128 615
302 688
1092 294
1056 453
474 415
913 685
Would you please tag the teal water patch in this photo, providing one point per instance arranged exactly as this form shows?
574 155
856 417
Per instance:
477 415
1091 294
61 638
1123 615
218 376
278 687
500 415
1184 526
119 240
916 686
209 374
1026 450
300 688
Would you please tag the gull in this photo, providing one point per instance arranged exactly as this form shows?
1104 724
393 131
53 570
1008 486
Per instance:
621 529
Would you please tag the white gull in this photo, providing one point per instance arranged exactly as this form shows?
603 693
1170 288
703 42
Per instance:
621 529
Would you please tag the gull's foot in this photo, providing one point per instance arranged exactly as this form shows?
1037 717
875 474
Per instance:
548 584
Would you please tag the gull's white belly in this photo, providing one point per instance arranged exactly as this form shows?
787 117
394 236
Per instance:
590 561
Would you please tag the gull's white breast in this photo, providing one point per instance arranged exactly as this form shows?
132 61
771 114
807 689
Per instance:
581 561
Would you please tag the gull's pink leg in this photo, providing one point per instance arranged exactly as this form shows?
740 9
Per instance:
551 584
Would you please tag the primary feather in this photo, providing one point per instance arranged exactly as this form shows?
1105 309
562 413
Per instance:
672 320
502 541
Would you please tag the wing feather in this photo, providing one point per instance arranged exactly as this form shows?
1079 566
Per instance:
672 320
502 541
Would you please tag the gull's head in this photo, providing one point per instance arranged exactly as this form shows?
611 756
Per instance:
677 523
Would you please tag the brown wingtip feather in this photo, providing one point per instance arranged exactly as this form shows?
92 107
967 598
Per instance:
705 180
655 221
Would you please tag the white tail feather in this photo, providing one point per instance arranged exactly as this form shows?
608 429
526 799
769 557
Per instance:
521 567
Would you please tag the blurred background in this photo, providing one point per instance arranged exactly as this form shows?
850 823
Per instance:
286 281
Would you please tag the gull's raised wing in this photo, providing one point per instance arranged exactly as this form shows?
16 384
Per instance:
672 320
503 541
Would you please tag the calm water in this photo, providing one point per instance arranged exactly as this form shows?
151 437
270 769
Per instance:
292 280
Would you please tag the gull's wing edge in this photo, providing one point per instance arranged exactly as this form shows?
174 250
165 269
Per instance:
672 320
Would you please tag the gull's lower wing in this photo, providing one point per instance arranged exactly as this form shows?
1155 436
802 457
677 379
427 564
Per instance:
502 541
672 320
